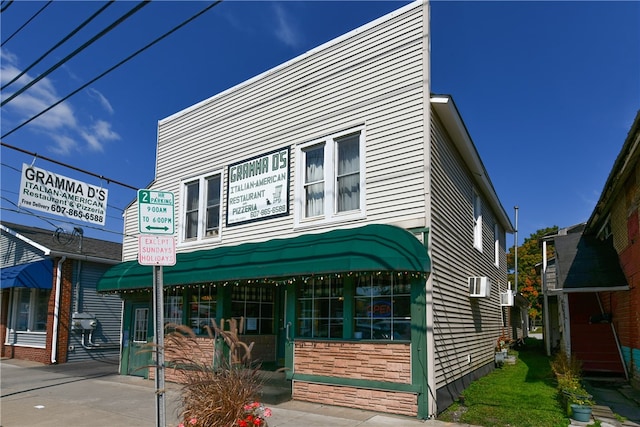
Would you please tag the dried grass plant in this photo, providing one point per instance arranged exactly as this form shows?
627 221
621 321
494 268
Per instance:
214 394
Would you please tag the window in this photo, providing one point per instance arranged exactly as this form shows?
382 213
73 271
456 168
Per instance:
320 308
383 308
140 325
331 179
477 221
202 308
255 304
201 208
173 306
496 245
30 309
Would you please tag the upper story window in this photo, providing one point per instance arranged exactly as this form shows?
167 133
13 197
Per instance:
201 208
496 245
477 221
331 178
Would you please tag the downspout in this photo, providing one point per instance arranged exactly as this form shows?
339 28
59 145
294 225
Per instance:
56 312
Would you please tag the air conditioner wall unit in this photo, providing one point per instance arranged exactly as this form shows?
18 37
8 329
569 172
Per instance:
506 299
479 287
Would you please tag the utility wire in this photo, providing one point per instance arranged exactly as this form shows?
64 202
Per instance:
5 5
78 50
136 53
25 24
109 180
71 34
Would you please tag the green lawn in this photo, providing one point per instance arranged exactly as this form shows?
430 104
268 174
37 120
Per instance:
517 395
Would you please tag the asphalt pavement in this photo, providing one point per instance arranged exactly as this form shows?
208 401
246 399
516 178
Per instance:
93 394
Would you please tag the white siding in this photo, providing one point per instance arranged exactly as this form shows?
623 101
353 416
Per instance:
373 76
15 251
464 327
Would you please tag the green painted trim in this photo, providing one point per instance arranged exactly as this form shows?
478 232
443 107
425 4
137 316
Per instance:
352 382
290 316
419 351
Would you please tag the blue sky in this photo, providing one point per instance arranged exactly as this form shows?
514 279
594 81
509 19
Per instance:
548 90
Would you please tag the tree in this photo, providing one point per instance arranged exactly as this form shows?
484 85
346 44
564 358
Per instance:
529 280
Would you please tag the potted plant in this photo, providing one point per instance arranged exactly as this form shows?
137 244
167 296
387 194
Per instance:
501 350
568 374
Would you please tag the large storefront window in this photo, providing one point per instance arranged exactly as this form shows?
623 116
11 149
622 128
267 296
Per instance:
383 307
255 304
173 305
202 308
30 309
321 308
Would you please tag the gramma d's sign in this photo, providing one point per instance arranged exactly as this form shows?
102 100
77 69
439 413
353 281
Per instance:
258 188
56 194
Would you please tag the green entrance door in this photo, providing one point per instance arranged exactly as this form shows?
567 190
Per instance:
137 354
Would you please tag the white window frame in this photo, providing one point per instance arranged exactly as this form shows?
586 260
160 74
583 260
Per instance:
202 209
330 213
477 221
496 245
33 302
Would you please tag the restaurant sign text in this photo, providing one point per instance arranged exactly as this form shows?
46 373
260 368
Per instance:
258 188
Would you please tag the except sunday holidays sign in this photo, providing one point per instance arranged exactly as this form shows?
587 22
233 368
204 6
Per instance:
56 194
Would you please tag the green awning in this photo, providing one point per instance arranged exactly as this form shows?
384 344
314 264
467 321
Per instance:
371 248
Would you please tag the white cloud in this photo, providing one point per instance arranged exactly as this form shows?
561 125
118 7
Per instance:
62 124
99 133
285 30
64 145
104 102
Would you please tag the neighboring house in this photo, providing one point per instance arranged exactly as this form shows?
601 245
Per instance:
344 212
593 283
51 312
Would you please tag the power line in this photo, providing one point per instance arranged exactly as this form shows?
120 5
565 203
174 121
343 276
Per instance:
5 5
109 180
136 53
71 34
78 50
26 23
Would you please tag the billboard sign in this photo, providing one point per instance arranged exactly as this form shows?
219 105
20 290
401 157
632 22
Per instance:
58 195
258 188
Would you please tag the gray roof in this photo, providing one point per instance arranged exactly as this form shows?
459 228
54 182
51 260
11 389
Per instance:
62 243
586 263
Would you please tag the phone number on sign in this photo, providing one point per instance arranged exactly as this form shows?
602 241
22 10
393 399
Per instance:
268 211
77 214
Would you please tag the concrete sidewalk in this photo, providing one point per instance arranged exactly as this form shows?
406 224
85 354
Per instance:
93 394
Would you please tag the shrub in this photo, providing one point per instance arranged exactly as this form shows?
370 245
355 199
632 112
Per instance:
568 372
220 394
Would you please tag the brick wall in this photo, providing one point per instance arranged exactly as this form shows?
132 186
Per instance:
200 350
356 360
389 362
352 397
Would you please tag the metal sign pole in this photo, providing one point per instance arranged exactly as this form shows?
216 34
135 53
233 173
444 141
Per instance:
158 311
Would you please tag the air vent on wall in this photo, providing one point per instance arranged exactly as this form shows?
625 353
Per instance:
506 299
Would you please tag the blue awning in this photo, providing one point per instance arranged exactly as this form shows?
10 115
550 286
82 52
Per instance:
37 275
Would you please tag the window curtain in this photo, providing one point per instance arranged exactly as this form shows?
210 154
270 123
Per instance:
314 181
349 173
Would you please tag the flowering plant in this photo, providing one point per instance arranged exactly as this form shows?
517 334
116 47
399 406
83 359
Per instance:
255 414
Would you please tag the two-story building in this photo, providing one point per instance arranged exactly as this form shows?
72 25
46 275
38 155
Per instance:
343 211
